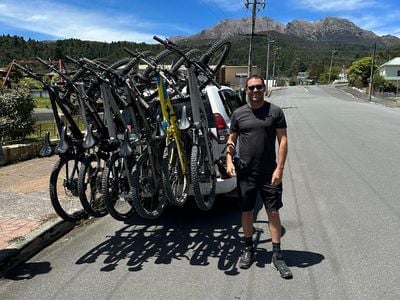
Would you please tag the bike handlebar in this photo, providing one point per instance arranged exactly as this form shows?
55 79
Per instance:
36 76
198 64
51 66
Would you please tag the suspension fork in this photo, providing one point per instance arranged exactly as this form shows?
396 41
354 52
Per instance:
198 112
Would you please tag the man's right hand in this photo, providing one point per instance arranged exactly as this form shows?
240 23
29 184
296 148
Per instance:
230 169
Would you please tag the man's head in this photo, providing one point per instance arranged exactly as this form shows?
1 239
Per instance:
255 88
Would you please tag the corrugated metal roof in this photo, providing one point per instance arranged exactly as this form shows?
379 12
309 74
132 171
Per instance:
393 62
391 78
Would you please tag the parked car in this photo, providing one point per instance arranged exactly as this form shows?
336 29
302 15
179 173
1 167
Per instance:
223 102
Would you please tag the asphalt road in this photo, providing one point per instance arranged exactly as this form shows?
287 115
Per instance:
341 220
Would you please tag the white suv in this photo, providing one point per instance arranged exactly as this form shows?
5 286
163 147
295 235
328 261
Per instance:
223 102
219 107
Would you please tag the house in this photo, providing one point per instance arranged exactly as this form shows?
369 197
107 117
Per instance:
390 70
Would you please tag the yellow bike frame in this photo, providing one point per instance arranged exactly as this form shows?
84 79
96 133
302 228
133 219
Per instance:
169 118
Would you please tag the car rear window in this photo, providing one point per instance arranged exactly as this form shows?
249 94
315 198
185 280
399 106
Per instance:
230 100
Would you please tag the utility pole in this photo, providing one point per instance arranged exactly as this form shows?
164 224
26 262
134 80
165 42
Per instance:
253 23
273 65
330 67
267 67
371 77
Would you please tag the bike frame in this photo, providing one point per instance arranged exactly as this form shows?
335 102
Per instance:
170 121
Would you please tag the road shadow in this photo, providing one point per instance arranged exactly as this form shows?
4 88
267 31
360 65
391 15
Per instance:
188 234
28 270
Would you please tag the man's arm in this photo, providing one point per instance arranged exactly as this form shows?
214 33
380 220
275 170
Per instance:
281 135
230 152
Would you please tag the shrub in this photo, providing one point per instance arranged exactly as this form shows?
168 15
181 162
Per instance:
16 113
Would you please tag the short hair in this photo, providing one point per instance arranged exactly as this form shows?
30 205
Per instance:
255 76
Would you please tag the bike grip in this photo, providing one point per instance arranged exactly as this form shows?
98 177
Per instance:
87 60
72 59
129 51
41 60
158 39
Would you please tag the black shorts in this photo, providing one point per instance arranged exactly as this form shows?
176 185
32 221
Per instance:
250 184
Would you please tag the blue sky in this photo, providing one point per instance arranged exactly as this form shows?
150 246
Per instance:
140 20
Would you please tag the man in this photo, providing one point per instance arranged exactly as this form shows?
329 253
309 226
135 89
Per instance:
259 124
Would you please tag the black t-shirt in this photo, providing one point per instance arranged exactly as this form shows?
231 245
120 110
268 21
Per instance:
256 129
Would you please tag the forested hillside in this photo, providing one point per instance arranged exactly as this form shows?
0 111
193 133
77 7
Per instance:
291 54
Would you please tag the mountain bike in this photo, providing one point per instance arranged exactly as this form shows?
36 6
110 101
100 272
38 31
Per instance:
174 171
63 185
202 168
134 175
92 169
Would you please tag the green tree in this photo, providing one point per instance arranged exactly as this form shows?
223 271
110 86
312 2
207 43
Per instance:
360 72
30 83
315 70
16 113
324 77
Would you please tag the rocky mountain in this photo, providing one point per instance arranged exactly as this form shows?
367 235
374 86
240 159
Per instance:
234 27
327 29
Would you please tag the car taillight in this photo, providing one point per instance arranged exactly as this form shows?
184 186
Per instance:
222 129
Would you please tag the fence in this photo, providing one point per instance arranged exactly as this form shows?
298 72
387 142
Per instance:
38 134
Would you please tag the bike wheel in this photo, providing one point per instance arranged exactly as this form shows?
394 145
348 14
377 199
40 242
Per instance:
176 184
129 65
148 198
193 54
203 176
89 185
216 55
213 59
115 189
162 59
63 189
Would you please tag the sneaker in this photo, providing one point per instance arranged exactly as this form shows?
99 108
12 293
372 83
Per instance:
247 258
279 264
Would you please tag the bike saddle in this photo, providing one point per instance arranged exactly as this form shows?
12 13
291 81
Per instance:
62 146
89 141
184 122
46 150
125 149
159 132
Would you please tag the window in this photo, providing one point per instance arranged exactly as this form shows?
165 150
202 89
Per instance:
398 72
231 101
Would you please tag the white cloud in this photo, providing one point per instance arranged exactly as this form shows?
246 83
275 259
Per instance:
63 21
338 5
37 18
374 24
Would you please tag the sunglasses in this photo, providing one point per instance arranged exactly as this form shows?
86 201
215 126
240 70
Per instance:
259 87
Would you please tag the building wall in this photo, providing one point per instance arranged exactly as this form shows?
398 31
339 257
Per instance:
390 71
235 76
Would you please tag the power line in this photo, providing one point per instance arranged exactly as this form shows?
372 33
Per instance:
213 11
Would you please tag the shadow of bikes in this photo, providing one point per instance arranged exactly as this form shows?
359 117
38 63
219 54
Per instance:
188 234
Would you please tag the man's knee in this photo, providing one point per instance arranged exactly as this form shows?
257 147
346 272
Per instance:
247 214
273 213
